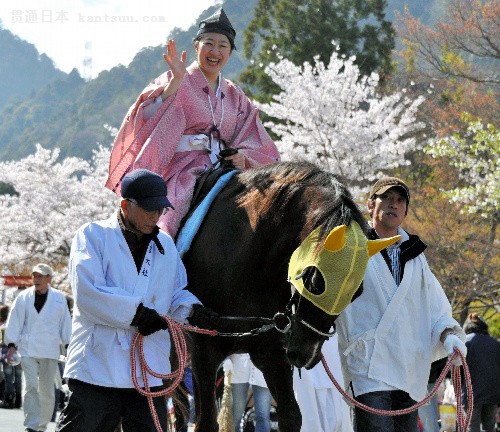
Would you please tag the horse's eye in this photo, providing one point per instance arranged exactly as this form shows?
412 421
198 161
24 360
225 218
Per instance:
313 280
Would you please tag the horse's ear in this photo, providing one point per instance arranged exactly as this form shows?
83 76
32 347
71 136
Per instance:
375 246
335 239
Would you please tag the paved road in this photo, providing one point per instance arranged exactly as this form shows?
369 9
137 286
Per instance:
11 420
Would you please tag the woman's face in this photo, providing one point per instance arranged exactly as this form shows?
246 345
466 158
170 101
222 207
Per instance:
212 51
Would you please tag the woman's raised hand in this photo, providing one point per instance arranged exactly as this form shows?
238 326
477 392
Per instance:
177 65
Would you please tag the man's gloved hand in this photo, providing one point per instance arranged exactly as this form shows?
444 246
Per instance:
451 342
203 317
148 321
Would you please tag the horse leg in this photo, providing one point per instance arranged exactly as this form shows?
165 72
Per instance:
279 378
204 364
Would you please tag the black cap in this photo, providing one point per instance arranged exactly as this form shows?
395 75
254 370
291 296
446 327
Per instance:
218 23
386 183
147 188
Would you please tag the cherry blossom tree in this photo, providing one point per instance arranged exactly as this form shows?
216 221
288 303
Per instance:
457 209
475 155
332 116
53 199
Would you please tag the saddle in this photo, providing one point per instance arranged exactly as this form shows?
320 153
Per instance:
204 184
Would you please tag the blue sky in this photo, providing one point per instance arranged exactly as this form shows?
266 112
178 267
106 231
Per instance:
93 35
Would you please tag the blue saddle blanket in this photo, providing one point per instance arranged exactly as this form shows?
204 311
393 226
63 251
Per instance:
190 228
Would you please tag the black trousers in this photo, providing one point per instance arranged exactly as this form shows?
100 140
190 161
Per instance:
92 408
388 401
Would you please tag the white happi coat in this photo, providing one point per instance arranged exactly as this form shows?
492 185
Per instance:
107 290
39 334
390 342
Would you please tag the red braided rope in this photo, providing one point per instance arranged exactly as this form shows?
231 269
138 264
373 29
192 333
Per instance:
177 334
463 421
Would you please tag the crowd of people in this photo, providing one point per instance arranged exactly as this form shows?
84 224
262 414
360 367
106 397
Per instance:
126 274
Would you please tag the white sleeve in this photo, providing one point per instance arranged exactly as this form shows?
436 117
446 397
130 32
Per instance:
15 322
99 302
182 299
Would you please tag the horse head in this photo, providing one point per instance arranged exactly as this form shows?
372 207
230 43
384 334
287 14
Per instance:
325 277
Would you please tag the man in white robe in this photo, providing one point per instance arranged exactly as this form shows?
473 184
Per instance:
39 323
400 324
125 273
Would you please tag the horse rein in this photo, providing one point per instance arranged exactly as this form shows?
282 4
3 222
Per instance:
463 419
281 321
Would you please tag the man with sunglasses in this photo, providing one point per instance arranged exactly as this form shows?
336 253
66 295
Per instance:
125 273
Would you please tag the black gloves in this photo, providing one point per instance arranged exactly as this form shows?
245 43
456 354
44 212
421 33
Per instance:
203 317
148 320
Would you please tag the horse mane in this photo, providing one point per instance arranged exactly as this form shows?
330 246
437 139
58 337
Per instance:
273 188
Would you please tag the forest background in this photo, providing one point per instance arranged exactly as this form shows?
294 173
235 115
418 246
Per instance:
432 68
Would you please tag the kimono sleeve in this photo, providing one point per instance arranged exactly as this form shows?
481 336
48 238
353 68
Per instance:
251 137
135 131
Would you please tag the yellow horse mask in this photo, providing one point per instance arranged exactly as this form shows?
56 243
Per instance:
342 261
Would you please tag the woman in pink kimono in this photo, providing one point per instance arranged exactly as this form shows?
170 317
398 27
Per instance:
185 117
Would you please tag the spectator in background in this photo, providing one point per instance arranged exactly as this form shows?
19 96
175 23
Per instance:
12 397
19 290
483 360
429 413
322 406
4 313
38 324
244 375
61 383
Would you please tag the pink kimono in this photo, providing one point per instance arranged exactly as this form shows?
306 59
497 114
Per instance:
168 142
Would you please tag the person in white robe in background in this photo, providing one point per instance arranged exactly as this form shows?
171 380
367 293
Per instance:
322 406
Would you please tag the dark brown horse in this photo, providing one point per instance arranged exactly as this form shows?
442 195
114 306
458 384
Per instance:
238 266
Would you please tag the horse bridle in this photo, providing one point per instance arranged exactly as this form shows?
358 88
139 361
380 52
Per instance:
290 314
281 321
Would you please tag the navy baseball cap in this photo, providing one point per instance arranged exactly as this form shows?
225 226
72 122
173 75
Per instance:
147 188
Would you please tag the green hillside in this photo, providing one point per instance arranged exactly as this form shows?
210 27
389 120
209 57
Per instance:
22 68
69 113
